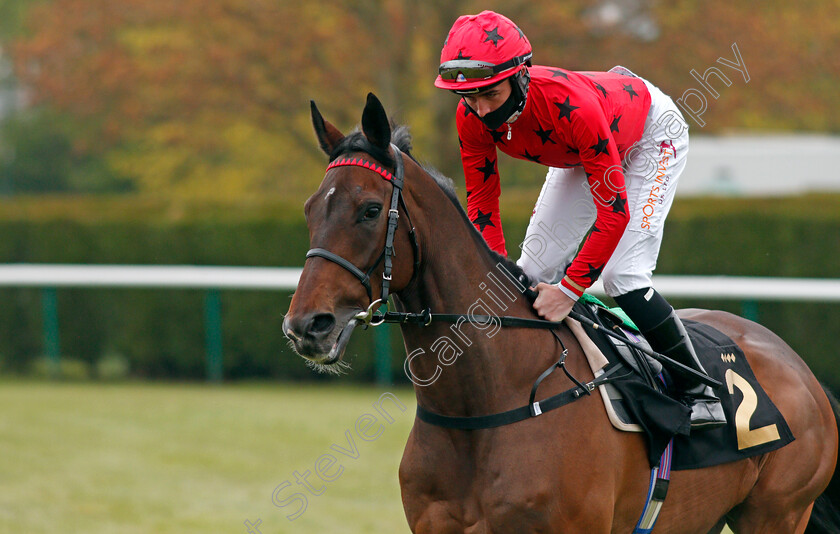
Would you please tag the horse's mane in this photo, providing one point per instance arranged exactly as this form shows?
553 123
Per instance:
401 137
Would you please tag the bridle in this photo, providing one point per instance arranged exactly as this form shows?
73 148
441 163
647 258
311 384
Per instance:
533 408
397 179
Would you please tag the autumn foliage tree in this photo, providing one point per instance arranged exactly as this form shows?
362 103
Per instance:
191 97
201 98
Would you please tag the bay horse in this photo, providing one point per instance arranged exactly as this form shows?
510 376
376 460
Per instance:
568 470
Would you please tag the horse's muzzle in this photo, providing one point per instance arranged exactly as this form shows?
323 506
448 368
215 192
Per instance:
311 334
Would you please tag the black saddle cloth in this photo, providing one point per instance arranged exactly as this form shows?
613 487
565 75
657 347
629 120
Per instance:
755 426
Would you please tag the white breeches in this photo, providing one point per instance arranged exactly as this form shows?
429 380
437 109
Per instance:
565 209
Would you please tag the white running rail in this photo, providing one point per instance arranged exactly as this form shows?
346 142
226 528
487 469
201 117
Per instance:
277 278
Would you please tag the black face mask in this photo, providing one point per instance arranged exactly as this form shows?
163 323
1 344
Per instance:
515 103
495 119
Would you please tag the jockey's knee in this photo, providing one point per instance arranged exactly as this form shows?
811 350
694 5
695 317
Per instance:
612 287
532 267
620 282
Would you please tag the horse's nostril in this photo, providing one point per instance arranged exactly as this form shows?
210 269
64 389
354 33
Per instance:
287 329
322 323
291 335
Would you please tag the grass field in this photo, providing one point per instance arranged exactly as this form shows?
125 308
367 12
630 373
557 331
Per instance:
177 458
190 458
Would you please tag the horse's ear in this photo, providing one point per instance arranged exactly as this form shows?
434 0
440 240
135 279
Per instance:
375 122
328 135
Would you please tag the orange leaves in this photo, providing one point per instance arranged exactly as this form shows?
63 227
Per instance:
219 90
182 90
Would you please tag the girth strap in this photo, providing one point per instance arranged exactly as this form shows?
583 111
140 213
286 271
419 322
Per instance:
519 414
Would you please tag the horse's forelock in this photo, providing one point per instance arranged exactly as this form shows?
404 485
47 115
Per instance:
357 142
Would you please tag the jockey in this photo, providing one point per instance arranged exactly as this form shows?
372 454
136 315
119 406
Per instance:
615 146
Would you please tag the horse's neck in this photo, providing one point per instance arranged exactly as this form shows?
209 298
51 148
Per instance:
470 369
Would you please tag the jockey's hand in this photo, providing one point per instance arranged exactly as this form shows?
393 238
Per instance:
552 304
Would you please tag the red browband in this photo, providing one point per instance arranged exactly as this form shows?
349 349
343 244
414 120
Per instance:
362 163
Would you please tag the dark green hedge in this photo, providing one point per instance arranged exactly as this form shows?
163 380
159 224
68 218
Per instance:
161 333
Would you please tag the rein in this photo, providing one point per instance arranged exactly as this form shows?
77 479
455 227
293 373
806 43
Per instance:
426 317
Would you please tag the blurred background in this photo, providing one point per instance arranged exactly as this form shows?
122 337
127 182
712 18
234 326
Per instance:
151 132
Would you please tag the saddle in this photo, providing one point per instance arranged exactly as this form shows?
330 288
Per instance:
637 402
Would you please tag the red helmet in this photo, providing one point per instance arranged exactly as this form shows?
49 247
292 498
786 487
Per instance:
481 50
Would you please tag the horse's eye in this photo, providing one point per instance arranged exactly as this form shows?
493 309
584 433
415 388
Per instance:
372 213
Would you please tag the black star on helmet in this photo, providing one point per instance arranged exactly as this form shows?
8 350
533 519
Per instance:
483 220
521 34
594 272
573 151
601 146
489 168
493 35
531 157
566 109
630 91
618 204
614 124
545 135
462 56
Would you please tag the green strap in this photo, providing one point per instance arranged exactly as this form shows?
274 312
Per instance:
589 299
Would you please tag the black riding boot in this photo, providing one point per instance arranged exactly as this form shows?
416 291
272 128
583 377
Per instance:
670 338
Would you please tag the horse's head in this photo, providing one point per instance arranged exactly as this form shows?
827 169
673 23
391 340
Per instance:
351 262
